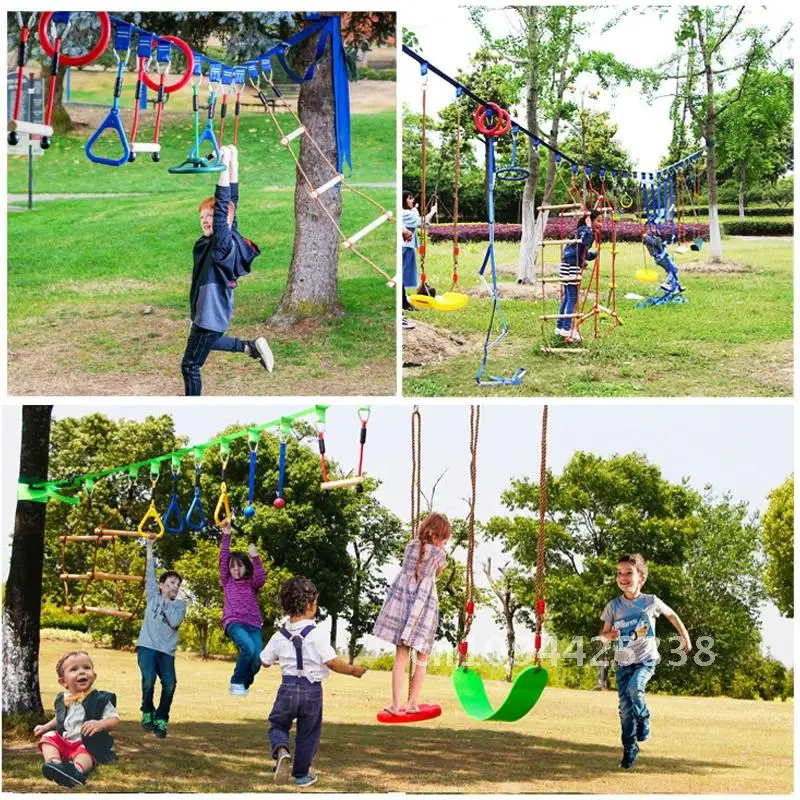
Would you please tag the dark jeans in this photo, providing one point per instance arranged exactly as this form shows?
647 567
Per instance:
248 641
153 664
297 699
569 302
631 682
199 344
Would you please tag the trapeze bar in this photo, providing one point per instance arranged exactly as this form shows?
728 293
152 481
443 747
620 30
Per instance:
146 147
364 231
325 186
29 127
110 534
563 205
293 135
79 538
101 576
341 484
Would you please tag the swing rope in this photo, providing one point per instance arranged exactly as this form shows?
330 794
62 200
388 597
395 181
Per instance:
423 278
456 177
416 500
469 573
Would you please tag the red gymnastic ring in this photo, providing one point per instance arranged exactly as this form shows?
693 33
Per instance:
501 126
76 61
169 88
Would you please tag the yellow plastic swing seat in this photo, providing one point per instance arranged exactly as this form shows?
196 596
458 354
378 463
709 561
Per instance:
449 301
646 275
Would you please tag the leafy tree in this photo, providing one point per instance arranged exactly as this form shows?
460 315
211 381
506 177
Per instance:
509 590
755 145
703 32
23 590
778 539
701 552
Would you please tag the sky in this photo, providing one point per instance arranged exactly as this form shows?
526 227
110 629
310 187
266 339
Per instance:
742 449
641 40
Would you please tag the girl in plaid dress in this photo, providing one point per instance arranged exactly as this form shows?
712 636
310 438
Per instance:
410 615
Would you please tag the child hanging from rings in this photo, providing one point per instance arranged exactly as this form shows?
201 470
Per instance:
410 614
573 260
221 256
657 249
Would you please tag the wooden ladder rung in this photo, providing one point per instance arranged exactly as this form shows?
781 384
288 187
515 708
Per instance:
101 576
558 241
559 280
293 135
563 205
71 538
325 186
109 612
341 484
348 243
108 533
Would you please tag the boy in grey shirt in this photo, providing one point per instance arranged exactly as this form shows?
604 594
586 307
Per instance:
157 643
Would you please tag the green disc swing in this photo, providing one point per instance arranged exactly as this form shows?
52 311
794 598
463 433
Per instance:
529 684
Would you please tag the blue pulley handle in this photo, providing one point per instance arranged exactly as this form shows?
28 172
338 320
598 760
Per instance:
281 469
113 121
195 519
173 509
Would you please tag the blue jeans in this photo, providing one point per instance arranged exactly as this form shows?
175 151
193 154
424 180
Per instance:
631 682
297 699
409 268
199 344
248 641
569 302
153 664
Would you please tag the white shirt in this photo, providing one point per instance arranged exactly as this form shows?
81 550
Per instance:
316 651
76 716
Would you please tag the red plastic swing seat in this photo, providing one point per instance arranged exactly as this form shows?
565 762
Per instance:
426 711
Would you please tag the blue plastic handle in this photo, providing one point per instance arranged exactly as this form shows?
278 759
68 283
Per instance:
173 509
113 121
195 510
206 136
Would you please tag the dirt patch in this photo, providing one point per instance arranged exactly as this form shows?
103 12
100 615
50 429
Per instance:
716 268
516 291
427 344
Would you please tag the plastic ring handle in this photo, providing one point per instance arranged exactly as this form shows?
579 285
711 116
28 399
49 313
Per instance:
151 514
502 126
512 174
207 136
196 511
174 509
222 505
86 58
169 88
112 120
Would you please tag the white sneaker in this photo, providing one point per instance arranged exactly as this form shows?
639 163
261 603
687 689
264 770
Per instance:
238 689
260 350
561 332
408 325
573 336
283 768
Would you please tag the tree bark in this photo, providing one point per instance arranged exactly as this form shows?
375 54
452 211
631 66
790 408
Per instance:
334 629
511 640
311 288
61 120
742 181
23 598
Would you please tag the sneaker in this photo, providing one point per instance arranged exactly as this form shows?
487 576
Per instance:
147 721
562 332
306 780
629 756
667 287
259 349
573 337
160 728
408 324
283 768
643 729
238 689
63 773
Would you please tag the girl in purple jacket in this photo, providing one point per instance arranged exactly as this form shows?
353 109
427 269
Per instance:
241 576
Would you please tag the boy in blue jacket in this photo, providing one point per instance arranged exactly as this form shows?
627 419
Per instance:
221 256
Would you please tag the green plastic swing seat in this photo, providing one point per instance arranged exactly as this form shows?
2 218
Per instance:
196 166
525 692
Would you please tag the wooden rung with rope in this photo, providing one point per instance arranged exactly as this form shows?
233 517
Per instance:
560 280
293 135
320 190
558 241
108 612
556 207
101 576
385 217
109 533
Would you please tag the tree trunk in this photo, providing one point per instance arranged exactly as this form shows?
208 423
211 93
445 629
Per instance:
528 246
742 180
23 597
511 641
355 620
61 120
334 629
311 288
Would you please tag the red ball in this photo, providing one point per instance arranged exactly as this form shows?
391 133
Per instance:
462 648
278 502
470 607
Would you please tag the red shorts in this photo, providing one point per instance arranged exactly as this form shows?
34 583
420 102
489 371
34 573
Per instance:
67 750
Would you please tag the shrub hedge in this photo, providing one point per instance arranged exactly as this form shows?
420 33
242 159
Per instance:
758 227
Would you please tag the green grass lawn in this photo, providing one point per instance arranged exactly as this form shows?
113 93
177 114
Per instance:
98 288
732 338
568 743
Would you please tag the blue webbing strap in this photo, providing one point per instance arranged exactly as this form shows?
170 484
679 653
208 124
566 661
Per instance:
493 380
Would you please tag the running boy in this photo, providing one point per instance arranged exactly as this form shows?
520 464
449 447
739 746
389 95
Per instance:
221 256
630 620
157 643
